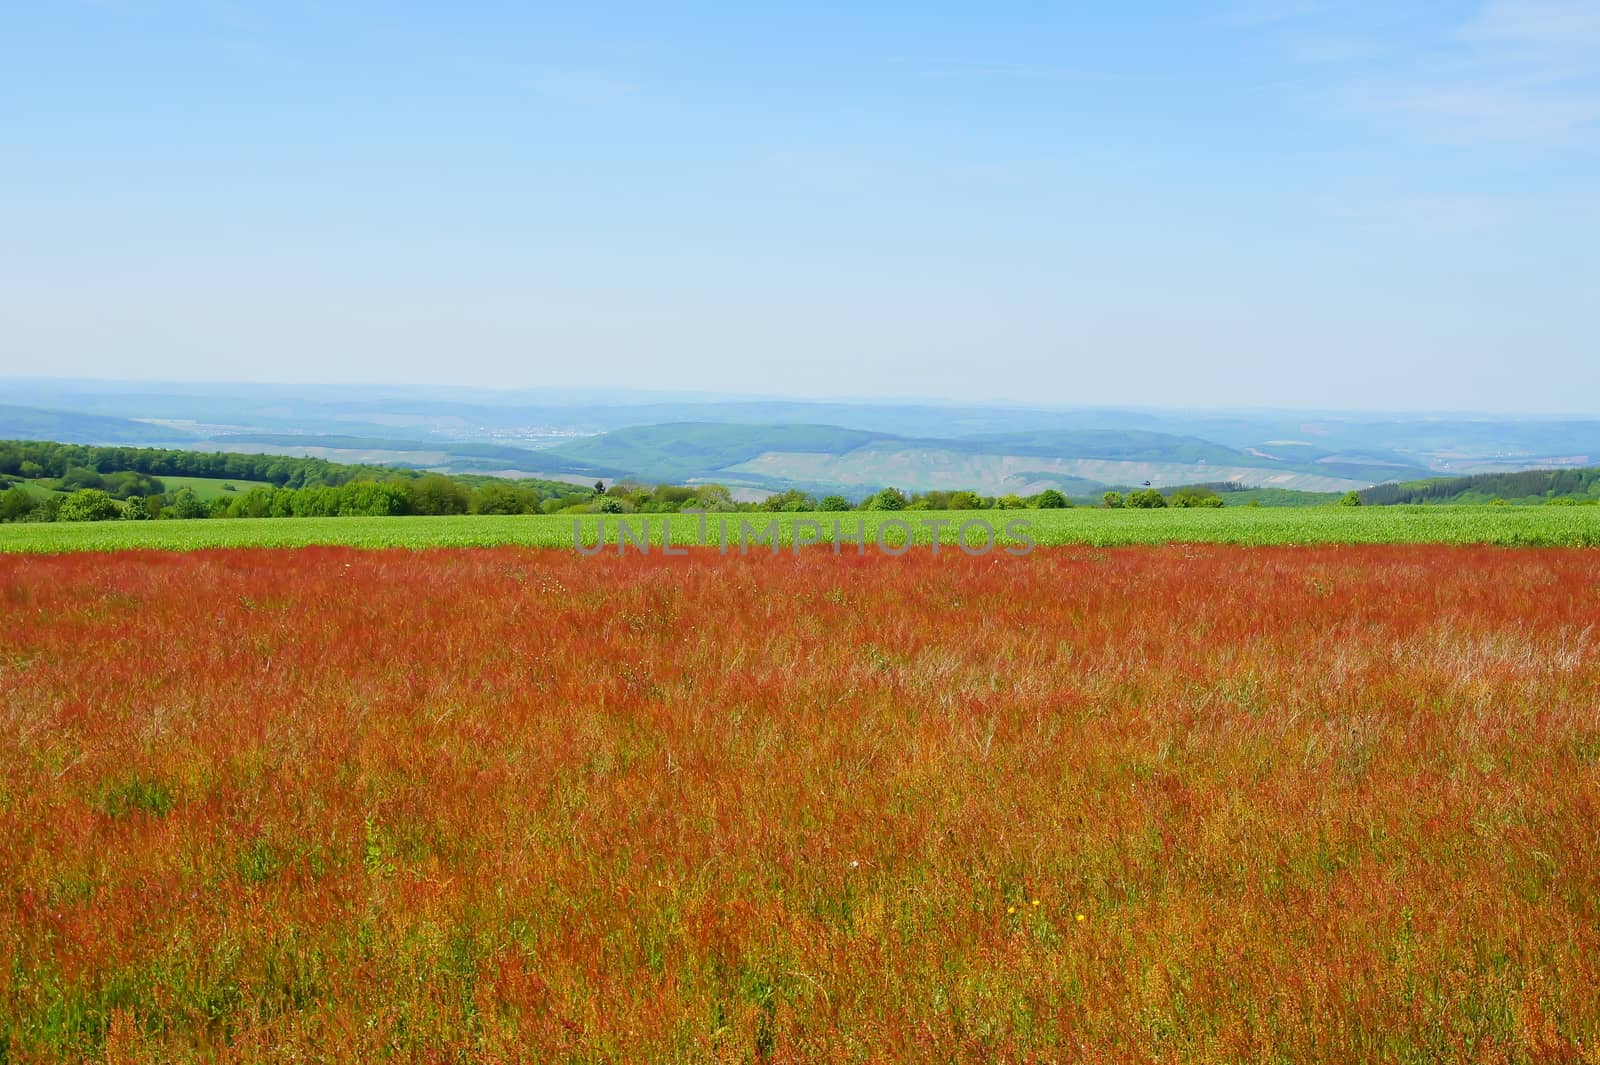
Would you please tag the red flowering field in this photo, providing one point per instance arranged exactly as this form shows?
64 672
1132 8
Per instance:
1145 804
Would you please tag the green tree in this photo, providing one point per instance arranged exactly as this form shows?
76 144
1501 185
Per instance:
501 497
887 499
1050 499
1112 500
185 504
1147 499
81 477
89 504
791 501
1195 496
965 499
1350 499
437 494
371 499
714 497
136 508
833 503
16 504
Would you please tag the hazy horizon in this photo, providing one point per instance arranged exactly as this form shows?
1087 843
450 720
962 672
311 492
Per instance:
1278 205
599 396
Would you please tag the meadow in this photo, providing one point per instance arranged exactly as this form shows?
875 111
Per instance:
1176 803
1503 525
209 488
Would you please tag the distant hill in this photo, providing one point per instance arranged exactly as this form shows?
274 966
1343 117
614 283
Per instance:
72 427
757 444
685 450
1523 486
457 456
1076 461
1235 494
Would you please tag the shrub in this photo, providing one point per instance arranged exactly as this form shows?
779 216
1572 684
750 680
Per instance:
832 503
1195 496
185 504
1350 499
138 508
1112 500
89 504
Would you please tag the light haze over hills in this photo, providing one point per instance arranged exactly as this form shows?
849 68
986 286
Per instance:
759 445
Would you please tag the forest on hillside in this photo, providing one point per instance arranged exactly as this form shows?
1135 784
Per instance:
1521 486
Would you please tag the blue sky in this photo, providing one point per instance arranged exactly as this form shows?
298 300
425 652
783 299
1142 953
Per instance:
1269 202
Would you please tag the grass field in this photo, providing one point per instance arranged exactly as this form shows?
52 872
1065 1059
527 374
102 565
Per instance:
1547 526
39 488
1184 803
206 488
209 488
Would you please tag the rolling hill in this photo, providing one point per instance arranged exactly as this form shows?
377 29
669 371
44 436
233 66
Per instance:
74 427
830 458
1523 486
757 444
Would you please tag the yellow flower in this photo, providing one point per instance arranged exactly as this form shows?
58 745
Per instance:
1036 902
1081 917
1011 909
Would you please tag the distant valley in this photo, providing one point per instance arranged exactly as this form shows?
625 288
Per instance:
759 446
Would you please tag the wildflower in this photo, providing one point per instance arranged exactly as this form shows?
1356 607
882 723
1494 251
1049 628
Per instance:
1011 909
1036 902
1081 917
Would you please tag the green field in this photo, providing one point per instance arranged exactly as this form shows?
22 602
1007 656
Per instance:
1552 526
39 488
209 488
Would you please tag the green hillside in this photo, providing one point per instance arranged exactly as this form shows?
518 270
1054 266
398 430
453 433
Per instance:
1128 445
686 450
1523 486
33 423
434 452
1076 461
208 488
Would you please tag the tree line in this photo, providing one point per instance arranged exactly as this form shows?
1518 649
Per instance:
84 483
43 458
1530 485
111 483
